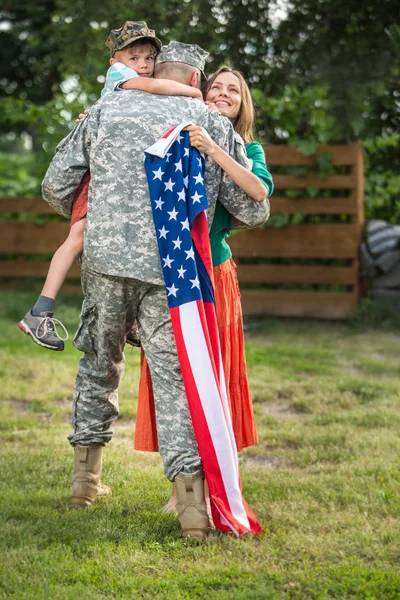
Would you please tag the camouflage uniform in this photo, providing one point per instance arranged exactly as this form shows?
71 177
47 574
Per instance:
122 276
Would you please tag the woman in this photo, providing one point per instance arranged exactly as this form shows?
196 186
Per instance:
227 92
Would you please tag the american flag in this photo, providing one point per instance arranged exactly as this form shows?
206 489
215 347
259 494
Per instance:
175 173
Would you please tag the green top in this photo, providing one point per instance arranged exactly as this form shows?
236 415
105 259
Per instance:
221 228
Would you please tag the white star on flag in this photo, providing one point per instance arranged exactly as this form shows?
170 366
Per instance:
159 203
178 166
185 224
168 155
169 185
181 272
196 197
158 174
163 232
200 163
190 253
198 179
182 195
185 152
172 214
186 181
180 138
172 290
195 282
177 243
168 261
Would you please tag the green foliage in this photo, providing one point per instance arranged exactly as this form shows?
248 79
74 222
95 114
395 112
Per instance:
323 73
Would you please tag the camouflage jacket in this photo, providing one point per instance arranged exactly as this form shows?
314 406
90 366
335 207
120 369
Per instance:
120 236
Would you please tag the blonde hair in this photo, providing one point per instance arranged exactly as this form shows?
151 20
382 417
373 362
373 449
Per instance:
244 122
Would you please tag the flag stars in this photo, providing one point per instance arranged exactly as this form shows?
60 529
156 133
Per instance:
182 195
195 283
163 232
196 197
172 290
200 162
172 214
169 185
168 155
177 243
178 166
185 224
186 181
199 179
185 152
168 261
190 254
181 272
159 203
158 174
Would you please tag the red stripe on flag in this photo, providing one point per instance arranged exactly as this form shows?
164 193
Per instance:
201 240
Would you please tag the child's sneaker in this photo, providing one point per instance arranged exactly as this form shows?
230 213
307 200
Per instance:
132 337
43 330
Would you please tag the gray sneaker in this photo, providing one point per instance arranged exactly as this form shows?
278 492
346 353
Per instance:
43 330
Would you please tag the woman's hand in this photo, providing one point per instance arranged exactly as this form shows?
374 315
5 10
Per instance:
81 116
212 107
200 139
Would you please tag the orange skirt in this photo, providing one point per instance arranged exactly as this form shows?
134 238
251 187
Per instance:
230 325
80 203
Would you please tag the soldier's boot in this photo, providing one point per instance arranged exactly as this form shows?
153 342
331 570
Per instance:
86 484
191 505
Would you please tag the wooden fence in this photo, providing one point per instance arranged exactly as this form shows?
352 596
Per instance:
334 241
304 241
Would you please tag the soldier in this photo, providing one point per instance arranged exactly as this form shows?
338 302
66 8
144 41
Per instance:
121 271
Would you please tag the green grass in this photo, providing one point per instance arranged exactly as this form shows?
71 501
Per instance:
324 479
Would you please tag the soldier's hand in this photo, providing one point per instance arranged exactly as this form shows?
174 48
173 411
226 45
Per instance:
82 116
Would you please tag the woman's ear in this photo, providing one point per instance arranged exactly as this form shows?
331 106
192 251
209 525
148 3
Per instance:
112 61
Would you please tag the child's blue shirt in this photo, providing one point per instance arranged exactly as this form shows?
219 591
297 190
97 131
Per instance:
118 73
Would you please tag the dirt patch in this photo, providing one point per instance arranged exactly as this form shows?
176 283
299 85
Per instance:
280 409
271 462
123 430
20 405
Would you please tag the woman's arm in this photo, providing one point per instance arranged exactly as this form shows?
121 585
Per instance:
245 179
163 87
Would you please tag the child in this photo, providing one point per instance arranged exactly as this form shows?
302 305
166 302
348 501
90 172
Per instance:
133 49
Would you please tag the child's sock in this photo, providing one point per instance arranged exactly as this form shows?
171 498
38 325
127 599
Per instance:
43 303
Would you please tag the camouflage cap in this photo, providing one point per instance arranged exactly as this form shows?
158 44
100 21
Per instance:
128 33
190 54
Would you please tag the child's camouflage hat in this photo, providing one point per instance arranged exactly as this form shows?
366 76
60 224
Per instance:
128 33
190 54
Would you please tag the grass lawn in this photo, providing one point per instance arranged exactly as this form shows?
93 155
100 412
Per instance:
324 479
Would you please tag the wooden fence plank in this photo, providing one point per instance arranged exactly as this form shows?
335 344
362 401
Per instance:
298 241
314 206
31 238
289 155
26 268
296 274
330 182
295 303
25 205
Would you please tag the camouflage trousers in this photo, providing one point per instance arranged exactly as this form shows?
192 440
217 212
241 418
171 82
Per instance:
110 306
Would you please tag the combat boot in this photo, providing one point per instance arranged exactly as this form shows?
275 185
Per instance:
191 505
86 485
